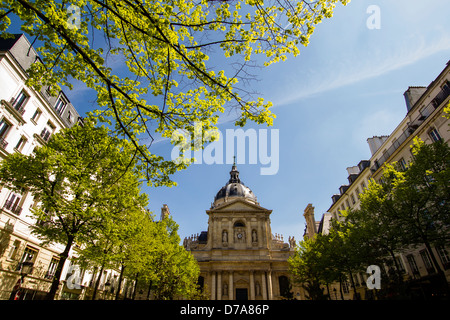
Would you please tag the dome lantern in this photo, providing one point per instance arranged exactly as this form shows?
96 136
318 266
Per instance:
234 188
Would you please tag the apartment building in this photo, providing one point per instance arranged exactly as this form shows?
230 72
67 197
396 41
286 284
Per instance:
28 119
424 119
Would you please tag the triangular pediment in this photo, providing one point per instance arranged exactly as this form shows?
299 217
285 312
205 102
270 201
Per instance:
238 205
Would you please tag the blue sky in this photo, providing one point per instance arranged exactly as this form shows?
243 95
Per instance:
346 86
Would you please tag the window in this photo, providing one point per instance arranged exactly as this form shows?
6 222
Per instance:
5 126
353 198
36 115
52 268
46 218
22 142
402 164
60 105
443 255
29 254
412 264
400 265
446 87
427 261
434 134
20 101
13 203
47 131
345 286
363 186
45 134
69 117
14 249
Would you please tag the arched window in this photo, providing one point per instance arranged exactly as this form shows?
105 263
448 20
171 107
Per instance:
239 232
239 224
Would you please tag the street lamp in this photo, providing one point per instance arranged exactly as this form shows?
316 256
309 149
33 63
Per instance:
25 269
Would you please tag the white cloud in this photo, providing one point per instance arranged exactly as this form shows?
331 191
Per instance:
364 65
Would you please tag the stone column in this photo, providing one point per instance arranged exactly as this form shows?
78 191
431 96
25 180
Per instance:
219 285
269 285
248 234
230 286
263 285
252 286
213 285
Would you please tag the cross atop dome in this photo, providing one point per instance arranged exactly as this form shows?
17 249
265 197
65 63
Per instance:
234 173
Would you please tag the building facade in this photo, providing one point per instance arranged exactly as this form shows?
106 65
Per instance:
239 257
28 119
424 119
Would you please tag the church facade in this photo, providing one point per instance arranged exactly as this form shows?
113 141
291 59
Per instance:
239 257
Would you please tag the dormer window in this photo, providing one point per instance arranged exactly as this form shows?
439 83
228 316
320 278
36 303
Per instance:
60 105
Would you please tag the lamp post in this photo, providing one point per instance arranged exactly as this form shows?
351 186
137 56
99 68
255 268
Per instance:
25 269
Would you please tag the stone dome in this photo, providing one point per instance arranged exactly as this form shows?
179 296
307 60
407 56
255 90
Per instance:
234 188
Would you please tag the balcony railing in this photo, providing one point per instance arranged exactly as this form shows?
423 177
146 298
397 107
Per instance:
13 207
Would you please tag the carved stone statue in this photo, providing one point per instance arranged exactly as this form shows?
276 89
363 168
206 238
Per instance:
257 288
225 236
292 242
254 236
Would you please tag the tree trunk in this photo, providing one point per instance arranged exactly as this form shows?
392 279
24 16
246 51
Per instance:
340 288
135 286
56 278
353 285
97 282
328 291
397 267
120 282
149 290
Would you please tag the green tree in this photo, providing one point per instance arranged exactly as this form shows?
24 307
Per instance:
423 199
174 271
183 61
119 243
310 265
379 233
410 207
75 177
